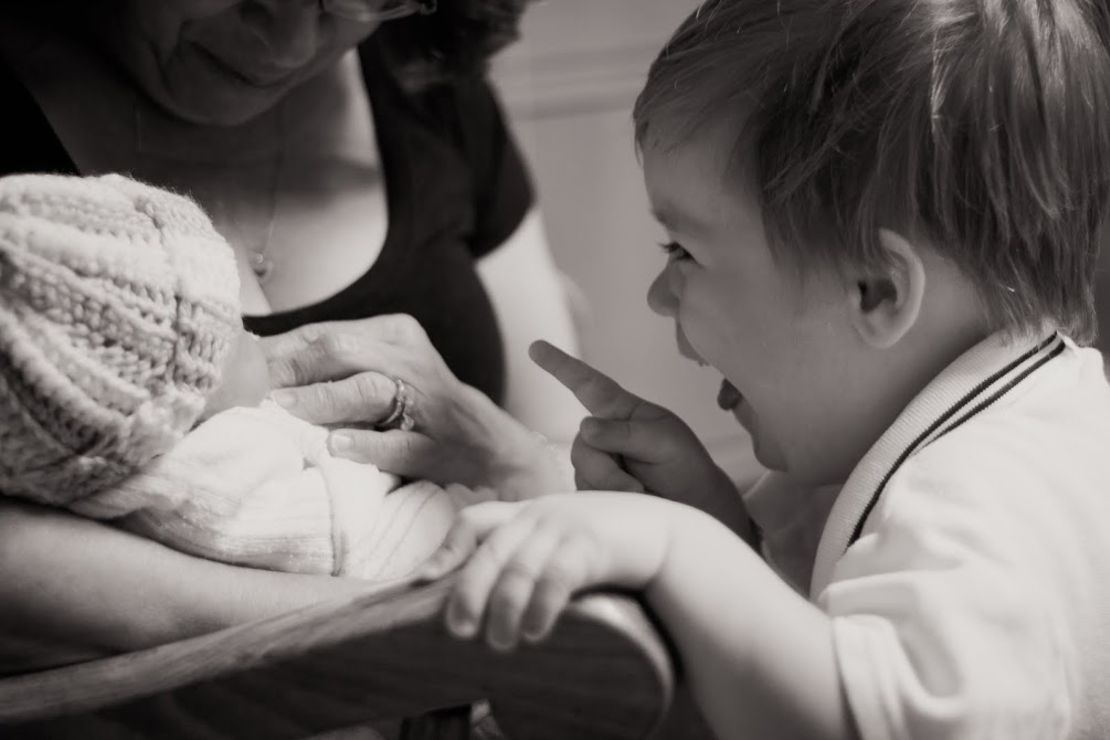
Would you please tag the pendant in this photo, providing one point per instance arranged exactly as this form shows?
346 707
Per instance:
262 266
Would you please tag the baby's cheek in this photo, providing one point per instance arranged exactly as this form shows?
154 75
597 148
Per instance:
254 382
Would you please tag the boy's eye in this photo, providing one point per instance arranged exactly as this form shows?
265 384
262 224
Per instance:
675 251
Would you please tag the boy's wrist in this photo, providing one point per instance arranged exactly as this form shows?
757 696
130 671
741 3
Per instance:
686 527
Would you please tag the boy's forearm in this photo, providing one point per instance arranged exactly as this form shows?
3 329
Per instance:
759 658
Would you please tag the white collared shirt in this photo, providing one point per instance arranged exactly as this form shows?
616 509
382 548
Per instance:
965 564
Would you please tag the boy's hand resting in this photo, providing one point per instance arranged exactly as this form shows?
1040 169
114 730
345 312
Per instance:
629 444
525 560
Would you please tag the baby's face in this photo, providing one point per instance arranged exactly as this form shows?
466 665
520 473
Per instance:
245 379
784 345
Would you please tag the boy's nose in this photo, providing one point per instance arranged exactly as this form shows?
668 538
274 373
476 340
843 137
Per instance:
661 296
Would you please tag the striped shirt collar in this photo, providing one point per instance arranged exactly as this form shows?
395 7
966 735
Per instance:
976 380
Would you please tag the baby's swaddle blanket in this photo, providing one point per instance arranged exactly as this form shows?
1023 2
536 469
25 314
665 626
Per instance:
258 487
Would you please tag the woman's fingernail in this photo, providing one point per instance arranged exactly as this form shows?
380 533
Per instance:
340 443
285 399
590 426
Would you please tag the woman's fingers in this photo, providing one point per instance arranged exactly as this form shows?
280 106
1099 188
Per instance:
407 454
317 352
599 393
595 470
313 354
366 397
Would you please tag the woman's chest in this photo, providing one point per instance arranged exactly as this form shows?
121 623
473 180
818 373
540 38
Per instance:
303 229
298 192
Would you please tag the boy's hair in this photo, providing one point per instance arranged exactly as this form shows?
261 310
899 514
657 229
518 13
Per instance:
981 125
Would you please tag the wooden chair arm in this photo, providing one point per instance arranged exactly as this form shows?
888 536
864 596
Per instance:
604 673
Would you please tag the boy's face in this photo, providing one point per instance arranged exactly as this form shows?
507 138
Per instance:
783 344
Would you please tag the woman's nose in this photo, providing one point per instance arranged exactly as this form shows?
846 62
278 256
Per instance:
289 31
661 295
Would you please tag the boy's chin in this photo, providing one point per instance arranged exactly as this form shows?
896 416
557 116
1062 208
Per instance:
766 454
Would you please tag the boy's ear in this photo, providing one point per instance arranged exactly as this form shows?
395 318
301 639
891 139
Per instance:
885 302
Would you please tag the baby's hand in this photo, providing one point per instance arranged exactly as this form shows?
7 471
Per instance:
525 560
630 444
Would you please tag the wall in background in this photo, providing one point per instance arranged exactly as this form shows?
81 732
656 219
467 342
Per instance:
569 86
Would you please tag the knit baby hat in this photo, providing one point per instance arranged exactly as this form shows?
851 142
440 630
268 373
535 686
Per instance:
118 304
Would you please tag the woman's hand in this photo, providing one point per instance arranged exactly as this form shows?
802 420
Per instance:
344 373
522 562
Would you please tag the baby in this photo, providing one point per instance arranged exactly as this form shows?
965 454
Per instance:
883 219
119 332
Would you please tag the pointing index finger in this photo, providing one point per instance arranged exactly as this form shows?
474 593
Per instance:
601 395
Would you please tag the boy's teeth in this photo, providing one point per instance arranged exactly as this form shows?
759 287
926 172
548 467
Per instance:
728 397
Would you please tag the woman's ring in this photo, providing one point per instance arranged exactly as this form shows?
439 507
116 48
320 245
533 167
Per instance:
400 415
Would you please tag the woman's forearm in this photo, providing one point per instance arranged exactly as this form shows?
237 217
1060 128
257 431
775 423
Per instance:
96 588
759 657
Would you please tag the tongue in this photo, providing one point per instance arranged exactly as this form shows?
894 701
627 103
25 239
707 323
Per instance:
728 397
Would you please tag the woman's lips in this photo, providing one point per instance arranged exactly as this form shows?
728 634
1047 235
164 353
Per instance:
728 398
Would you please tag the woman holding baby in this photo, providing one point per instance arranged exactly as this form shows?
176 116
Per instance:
356 158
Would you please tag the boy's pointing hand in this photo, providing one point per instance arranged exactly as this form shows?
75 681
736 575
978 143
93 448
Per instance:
629 444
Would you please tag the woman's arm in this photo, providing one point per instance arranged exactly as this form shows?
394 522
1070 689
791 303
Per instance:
96 588
530 300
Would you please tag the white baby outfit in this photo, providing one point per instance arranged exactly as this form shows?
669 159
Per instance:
258 487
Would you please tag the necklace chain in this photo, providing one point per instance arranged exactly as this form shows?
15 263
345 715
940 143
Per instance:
259 259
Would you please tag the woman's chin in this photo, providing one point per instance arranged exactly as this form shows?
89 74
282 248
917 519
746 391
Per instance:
220 107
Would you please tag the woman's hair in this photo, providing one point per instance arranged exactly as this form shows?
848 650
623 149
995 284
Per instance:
982 126
457 39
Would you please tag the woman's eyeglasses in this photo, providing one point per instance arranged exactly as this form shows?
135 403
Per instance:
365 11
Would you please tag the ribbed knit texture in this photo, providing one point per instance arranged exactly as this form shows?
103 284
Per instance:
118 303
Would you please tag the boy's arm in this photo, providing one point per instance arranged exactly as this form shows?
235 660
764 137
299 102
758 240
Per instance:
759 657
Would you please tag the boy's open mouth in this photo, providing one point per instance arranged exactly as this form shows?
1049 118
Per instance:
728 398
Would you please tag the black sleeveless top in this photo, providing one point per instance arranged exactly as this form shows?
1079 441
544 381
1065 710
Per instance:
456 188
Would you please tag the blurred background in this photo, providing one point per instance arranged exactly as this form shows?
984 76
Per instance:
569 86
